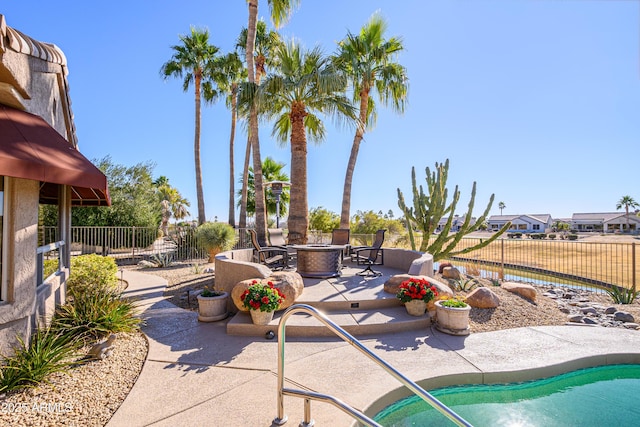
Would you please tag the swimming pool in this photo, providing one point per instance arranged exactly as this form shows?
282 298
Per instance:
588 397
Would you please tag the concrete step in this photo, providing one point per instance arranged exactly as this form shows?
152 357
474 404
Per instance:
357 321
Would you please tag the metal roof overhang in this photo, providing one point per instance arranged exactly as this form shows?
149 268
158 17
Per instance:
31 149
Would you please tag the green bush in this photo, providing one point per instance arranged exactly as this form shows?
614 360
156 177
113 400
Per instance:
51 350
622 295
552 236
92 271
572 237
96 314
50 267
215 237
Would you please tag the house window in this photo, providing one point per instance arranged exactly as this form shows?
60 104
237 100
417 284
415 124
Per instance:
536 226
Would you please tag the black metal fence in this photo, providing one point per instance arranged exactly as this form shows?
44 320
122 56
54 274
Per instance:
574 263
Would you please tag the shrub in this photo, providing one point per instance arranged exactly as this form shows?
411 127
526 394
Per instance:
96 314
163 259
572 237
91 271
215 237
50 267
622 295
50 351
552 236
467 284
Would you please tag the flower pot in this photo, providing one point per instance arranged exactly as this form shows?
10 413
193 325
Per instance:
211 309
416 307
452 320
261 317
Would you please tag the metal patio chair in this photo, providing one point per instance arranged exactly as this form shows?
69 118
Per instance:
273 257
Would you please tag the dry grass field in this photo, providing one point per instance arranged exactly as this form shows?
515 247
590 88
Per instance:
607 258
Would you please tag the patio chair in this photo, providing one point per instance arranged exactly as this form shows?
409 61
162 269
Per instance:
340 236
374 255
272 257
276 240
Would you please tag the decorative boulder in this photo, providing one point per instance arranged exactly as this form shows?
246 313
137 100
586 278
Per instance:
451 273
289 282
483 298
525 291
443 265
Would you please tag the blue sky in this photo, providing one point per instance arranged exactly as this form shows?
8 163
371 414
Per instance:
536 101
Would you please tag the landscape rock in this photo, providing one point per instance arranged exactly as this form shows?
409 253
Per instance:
442 266
623 316
483 298
522 289
575 318
451 273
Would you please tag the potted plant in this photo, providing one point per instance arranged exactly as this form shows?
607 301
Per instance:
215 237
415 293
262 300
212 305
452 316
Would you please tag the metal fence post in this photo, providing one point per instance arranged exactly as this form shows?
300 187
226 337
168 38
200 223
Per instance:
502 258
633 266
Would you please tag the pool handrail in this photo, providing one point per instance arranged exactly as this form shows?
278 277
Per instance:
308 395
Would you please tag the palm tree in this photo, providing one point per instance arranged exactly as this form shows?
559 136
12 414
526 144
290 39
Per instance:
280 12
501 206
271 171
627 202
193 59
265 45
228 73
304 84
368 60
171 202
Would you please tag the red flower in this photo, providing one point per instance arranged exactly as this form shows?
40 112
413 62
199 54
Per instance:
265 300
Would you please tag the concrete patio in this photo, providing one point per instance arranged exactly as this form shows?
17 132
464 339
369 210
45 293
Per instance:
198 374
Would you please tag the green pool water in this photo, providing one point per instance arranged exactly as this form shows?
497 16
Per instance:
602 396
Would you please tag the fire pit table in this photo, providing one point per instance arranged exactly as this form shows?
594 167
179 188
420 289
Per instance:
319 261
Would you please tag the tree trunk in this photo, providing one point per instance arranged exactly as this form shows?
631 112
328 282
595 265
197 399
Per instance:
196 153
298 222
232 190
353 157
245 186
260 216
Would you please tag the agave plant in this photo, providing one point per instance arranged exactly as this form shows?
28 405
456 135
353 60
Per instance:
622 295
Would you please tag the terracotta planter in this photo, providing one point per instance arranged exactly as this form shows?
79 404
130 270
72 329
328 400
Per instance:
211 309
416 307
452 320
261 317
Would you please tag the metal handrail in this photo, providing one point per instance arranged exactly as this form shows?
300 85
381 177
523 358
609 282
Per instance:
308 396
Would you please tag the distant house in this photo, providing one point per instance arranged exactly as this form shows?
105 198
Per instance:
532 223
605 222
456 223
39 164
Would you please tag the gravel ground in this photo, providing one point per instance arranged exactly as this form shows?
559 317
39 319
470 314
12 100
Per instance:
88 395
91 393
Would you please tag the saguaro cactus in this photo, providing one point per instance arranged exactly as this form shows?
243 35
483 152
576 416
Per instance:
429 208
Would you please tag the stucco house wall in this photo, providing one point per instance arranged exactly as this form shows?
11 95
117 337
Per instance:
32 79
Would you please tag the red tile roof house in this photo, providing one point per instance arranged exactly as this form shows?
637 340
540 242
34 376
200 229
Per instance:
39 164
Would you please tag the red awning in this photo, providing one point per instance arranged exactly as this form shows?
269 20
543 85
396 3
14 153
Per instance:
31 149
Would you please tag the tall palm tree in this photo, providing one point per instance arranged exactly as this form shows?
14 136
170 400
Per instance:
368 60
501 206
280 12
228 73
627 202
265 45
304 84
192 59
272 170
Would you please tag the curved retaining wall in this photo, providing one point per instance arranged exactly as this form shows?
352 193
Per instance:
235 266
